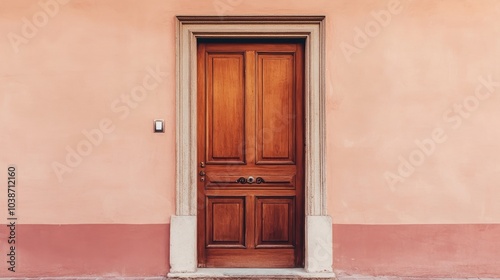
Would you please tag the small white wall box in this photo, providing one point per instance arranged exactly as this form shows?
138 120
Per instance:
159 127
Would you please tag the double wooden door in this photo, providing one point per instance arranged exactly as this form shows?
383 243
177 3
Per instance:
251 154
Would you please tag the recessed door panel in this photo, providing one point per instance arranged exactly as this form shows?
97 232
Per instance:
275 108
226 222
225 108
275 222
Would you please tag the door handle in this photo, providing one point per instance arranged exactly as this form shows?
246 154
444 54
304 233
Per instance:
250 180
241 180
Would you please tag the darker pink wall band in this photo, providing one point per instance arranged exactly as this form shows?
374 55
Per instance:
418 250
87 250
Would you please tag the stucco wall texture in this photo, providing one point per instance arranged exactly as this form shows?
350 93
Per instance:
412 92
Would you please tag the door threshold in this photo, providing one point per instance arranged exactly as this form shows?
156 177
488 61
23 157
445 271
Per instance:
252 273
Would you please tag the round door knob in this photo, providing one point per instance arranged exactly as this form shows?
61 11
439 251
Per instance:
241 180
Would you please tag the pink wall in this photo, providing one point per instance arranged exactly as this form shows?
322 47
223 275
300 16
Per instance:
398 90
398 72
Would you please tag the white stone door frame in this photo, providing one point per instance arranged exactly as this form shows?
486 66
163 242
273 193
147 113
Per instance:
318 225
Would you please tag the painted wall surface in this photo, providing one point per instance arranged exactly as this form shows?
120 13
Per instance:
413 91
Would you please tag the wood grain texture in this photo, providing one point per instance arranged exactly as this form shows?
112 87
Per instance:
250 126
275 108
225 112
275 222
226 226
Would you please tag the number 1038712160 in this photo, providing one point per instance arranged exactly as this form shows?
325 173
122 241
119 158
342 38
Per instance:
11 190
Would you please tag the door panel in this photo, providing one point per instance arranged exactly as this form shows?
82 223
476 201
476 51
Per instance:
250 150
226 108
275 108
226 222
275 222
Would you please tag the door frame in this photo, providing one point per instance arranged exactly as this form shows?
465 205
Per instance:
318 225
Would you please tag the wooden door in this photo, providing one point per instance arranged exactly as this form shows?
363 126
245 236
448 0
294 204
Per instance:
251 154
